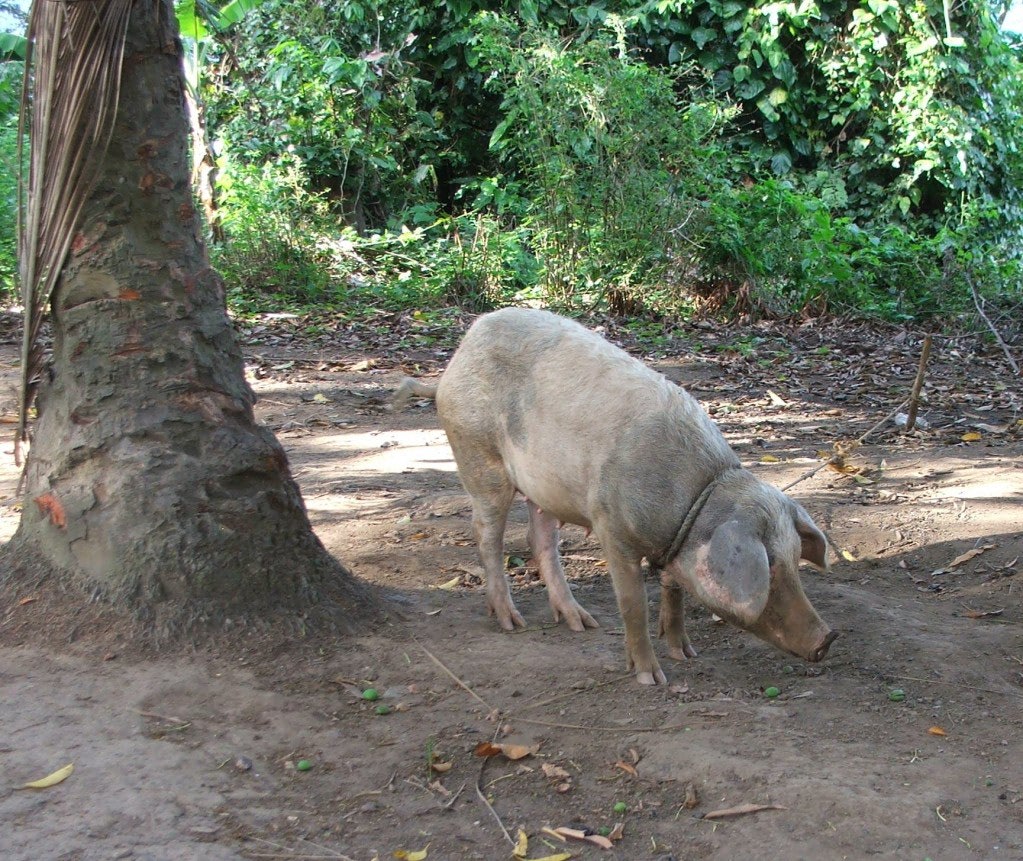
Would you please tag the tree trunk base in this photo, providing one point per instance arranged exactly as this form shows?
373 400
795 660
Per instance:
42 604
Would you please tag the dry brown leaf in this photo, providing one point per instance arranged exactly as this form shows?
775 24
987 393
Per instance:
576 834
776 400
25 601
50 505
628 769
554 772
937 730
441 767
511 751
691 799
618 832
969 554
741 810
983 614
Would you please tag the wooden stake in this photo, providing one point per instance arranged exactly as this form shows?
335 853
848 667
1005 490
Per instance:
914 398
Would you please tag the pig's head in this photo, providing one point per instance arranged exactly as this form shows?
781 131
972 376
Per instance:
742 561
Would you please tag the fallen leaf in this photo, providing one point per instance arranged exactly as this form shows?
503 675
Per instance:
561 856
992 428
450 584
969 554
769 458
441 767
628 769
365 365
50 505
521 845
511 751
983 614
597 839
25 601
58 776
554 772
618 832
691 799
937 730
320 398
849 557
741 810
971 436
776 400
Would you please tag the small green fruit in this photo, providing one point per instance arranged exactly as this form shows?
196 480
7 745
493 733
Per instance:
620 807
896 695
383 710
303 765
771 692
370 694
603 831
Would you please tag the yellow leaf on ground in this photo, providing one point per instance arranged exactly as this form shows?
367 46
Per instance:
405 855
971 436
937 730
769 458
561 856
51 779
521 845
849 557
450 584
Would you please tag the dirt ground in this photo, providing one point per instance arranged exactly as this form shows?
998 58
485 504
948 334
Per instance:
202 754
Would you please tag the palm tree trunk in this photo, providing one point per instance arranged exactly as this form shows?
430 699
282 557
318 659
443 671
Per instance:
148 483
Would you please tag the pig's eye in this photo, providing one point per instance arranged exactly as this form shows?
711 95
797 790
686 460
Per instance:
770 560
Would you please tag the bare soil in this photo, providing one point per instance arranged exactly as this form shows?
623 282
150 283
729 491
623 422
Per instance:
201 753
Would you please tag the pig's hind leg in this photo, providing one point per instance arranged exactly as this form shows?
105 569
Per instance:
491 490
543 540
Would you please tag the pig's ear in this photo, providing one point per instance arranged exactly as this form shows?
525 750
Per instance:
813 543
732 573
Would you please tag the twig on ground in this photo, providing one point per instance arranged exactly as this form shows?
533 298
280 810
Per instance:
991 326
457 680
859 441
573 693
483 797
958 685
454 797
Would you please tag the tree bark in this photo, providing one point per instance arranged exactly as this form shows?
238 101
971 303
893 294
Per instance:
148 483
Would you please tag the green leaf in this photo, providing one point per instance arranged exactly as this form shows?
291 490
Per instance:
13 47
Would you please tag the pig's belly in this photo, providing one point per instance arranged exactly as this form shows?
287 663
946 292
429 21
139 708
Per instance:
559 485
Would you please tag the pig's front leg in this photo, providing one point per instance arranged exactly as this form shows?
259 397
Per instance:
671 623
543 539
631 594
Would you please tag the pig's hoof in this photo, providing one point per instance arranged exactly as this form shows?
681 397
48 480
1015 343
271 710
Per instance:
575 617
655 678
682 653
508 618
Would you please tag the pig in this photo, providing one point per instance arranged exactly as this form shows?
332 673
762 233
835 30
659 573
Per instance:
536 403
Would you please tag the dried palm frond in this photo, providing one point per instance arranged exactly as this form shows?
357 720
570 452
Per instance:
68 105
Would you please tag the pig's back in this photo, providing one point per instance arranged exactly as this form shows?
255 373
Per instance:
558 403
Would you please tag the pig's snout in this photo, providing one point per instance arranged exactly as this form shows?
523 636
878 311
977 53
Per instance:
821 651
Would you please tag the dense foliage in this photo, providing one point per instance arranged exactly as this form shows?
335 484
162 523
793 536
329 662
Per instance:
772 155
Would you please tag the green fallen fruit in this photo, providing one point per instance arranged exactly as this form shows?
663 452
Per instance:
370 694
383 710
896 695
771 692
303 765
603 831
620 807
